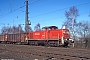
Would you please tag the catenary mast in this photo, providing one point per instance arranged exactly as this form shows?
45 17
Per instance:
27 22
26 15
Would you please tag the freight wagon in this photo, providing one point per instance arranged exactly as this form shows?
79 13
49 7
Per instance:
13 38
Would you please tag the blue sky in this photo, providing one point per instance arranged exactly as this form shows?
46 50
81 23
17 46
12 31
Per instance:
45 12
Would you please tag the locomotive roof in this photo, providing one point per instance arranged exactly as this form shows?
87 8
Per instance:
50 27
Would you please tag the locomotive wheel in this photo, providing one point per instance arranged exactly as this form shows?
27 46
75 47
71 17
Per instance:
36 43
46 43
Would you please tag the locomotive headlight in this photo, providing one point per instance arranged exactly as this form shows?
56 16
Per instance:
64 32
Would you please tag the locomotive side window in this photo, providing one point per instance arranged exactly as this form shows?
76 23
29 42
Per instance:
50 28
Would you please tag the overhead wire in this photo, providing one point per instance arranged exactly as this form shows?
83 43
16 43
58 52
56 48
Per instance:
51 11
33 1
44 20
60 9
60 17
17 9
13 11
46 12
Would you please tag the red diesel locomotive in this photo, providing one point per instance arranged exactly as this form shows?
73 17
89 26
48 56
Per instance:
48 36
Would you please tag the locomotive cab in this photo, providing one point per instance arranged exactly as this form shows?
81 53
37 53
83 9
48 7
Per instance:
50 28
55 36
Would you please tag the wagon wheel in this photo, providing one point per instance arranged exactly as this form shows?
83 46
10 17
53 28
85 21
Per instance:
46 44
36 43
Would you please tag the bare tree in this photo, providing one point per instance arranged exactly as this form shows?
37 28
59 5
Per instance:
37 27
14 28
82 29
28 28
11 30
71 15
3 30
20 29
70 23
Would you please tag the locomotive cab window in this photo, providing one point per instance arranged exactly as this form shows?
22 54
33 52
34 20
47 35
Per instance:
50 28
65 31
53 27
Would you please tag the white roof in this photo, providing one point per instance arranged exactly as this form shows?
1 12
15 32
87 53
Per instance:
63 27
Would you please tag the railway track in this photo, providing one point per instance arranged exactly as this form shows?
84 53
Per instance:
49 53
